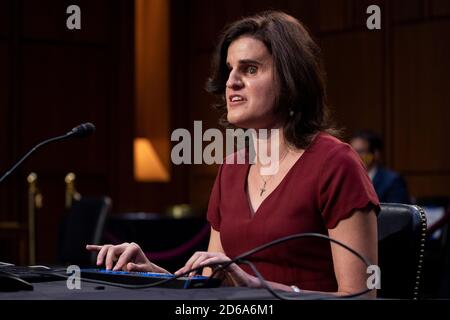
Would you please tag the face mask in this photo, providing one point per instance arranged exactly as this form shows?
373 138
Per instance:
367 158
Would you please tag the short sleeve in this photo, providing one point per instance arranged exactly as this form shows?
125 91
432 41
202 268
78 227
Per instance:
344 186
213 214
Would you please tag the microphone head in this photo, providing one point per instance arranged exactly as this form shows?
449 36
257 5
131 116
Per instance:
83 130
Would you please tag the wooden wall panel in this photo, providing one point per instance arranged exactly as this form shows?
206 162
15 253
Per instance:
58 79
333 15
207 19
63 87
428 185
354 65
306 12
5 14
4 103
201 110
422 97
5 160
200 99
440 8
122 120
407 10
254 6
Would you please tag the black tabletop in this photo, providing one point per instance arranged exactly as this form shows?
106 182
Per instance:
58 290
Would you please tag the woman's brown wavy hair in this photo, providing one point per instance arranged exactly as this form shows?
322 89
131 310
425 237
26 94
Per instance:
298 68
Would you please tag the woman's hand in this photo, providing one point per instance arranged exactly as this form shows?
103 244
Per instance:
233 275
125 256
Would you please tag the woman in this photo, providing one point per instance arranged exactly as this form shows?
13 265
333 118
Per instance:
268 73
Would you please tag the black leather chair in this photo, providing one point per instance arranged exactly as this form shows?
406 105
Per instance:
401 248
82 224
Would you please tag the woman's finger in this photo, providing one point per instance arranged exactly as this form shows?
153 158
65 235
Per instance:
127 256
189 263
212 260
93 247
197 263
110 257
182 270
113 254
197 259
101 255
213 263
138 267
193 258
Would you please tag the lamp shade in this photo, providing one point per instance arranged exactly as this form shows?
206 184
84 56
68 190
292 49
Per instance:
148 167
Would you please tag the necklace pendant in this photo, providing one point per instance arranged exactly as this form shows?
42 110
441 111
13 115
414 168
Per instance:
263 189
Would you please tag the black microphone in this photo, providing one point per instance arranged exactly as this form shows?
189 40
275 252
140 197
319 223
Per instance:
81 131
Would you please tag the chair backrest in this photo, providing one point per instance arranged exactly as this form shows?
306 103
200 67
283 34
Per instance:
82 224
401 247
437 257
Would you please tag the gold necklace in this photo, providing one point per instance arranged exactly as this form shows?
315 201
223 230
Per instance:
263 188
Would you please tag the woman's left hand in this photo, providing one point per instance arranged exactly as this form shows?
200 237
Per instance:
233 275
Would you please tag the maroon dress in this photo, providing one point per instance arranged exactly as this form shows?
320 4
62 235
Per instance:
326 184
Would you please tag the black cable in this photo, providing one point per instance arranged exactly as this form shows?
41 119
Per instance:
284 239
299 236
241 259
283 297
263 281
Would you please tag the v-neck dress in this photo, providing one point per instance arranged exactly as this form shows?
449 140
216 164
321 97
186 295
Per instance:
326 184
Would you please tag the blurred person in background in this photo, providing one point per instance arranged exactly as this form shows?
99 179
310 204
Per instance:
389 185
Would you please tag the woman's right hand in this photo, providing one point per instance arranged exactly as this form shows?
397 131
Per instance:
125 256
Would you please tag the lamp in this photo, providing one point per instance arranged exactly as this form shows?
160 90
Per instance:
148 167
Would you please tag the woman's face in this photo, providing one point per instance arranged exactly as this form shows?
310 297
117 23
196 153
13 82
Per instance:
251 87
